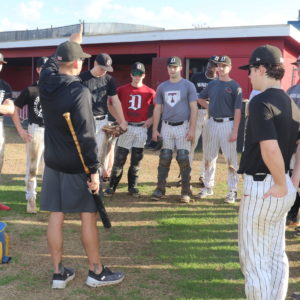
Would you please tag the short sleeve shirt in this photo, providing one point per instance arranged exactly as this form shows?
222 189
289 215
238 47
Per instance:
5 91
31 97
224 97
294 93
272 116
101 88
136 102
176 98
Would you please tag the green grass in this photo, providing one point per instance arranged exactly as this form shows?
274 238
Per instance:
167 250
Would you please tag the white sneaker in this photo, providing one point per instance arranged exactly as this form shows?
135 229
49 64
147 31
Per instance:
205 192
231 197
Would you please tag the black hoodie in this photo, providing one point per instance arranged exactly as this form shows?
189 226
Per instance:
60 93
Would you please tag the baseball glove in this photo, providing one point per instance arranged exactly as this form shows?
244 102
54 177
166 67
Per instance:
113 130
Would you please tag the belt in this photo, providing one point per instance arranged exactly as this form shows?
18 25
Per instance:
220 120
174 123
259 176
36 124
100 118
140 124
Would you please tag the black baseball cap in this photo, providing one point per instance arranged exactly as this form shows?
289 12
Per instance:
2 61
174 61
297 62
70 51
105 62
41 61
264 55
226 60
138 67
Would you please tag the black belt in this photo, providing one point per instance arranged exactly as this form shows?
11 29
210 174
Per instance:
259 176
220 120
36 124
174 123
100 118
136 124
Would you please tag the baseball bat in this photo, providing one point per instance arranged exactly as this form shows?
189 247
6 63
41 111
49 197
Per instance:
97 197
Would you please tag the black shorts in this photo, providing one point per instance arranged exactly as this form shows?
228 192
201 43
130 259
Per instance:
67 193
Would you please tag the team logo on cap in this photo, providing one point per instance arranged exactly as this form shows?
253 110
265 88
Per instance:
139 66
173 60
108 62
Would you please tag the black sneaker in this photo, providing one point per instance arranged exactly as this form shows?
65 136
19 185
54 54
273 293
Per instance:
134 192
109 192
106 277
59 281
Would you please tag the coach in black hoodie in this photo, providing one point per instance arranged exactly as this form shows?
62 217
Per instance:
65 189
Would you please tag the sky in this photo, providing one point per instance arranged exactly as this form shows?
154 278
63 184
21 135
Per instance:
175 14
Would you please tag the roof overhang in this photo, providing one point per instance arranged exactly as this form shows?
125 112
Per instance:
284 30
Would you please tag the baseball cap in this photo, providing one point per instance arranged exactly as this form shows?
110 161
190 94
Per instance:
297 62
70 51
2 59
138 67
222 60
105 62
264 55
41 61
174 61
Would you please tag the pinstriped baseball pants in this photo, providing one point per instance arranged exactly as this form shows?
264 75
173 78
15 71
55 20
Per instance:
201 122
217 135
2 143
135 136
175 136
262 239
34 150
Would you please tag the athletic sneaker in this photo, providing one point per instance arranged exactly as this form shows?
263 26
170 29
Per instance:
205 192
296 296
106 277
185 199
109 192
4 207
231 197
59 281
157 194
134 192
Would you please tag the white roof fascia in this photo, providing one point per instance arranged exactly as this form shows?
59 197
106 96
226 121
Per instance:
169 35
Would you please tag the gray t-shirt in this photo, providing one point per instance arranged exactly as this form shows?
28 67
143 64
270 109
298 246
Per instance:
224 97
176 98
294 93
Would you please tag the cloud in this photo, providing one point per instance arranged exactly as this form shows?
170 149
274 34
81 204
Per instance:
30 10
94 8
7 25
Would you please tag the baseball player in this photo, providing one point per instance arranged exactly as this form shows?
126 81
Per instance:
33 136
223 97
294 92
176 100
65 188
137 100
6 107
201 80
269 192
102 86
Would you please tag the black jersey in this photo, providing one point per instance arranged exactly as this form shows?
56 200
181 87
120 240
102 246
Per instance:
272 116
101 88
31 97
5 91
200 81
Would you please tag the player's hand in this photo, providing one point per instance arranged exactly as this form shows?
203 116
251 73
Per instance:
148 123
124 125
94 183
233 137
25 136
295 180
77 36
155 135
277 191
190 135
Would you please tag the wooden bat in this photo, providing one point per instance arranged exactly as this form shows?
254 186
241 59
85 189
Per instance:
97 197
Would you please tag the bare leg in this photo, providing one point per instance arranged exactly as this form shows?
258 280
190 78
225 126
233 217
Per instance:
90 240
55 238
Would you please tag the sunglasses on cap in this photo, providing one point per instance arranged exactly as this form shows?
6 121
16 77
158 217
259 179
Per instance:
137 73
